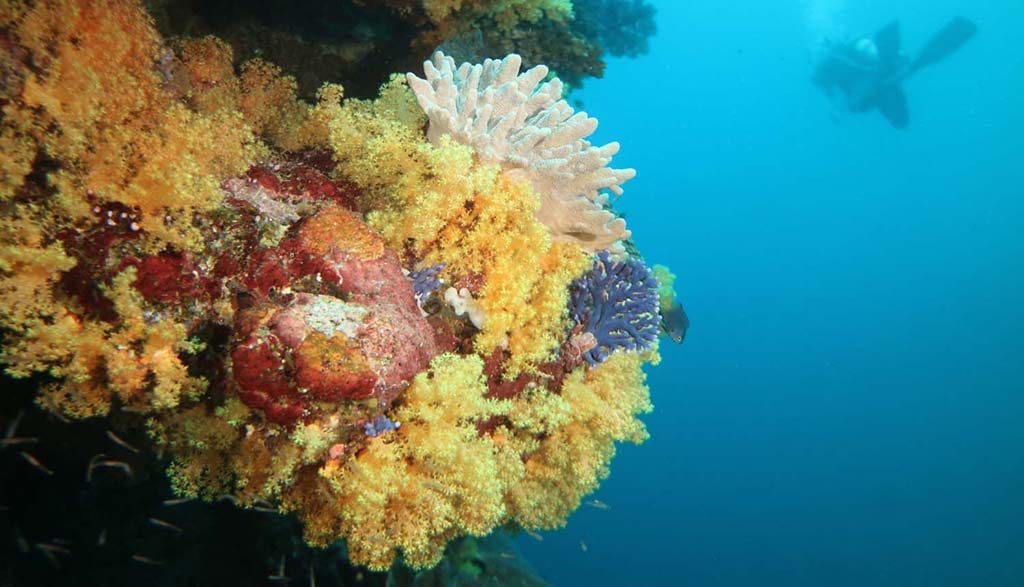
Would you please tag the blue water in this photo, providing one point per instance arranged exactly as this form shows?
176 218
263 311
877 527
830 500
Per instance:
848 408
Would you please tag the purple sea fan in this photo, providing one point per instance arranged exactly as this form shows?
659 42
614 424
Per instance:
616 302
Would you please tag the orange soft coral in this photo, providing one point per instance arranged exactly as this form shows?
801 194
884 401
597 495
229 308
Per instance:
437 203
98 115
203 72
95 104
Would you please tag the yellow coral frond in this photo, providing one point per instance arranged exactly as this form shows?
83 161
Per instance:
573 457
413 490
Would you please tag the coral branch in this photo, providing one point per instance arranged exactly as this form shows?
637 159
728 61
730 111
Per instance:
513 120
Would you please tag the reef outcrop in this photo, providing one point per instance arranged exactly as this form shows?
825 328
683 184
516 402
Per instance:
403 320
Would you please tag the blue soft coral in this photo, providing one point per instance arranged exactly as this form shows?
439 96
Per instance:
617 302
426 281
379 425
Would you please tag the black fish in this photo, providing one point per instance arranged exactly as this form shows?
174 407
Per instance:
675 323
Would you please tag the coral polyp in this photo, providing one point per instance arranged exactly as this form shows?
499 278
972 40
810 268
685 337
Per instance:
383 326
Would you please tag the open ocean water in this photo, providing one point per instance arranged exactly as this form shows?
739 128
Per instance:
847 409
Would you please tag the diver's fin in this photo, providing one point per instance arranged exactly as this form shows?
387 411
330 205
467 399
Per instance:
944 43
892 103
887 40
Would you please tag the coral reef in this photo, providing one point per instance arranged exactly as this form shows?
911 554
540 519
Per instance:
363 41
620 27
329 310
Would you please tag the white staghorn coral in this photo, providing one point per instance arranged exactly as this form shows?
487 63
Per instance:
513 120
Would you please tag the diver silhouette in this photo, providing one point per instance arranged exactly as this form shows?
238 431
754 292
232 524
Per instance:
868 73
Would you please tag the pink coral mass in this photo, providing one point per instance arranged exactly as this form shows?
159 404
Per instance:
334 319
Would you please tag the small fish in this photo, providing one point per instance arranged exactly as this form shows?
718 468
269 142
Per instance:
675 323
12 428
102 538
35 463
507 555
14 441
49 554
280 576
111 465
146 560
164 524
597 503
20 539
121 442
177 501
264 506
583 546
92 466
52 547
533 535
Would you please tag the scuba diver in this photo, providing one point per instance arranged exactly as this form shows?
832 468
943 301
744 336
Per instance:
869 72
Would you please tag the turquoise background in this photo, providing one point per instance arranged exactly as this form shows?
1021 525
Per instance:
847 408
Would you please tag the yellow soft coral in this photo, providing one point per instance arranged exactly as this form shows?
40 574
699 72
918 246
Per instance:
204 446
416 488
458 464
666 286
600 409
29 267
437 203
217 454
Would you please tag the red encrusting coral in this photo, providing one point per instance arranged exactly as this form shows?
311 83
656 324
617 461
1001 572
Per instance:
283 365
168 277
335 320
305 177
